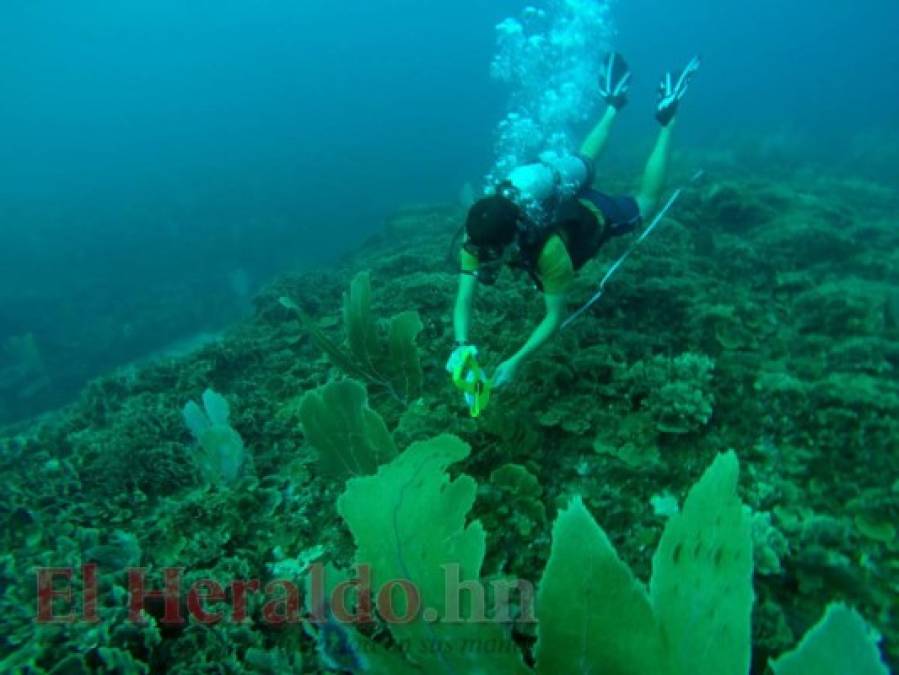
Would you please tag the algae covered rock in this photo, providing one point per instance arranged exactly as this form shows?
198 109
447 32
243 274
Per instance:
676 393
630 440
764 318
571 415
842 308
736 208
518 501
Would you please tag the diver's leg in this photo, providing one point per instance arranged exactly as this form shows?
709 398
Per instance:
655 173
614 86
671 90
598 138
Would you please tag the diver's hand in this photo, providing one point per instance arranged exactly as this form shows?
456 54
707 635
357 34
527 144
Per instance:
505 373
458 356
615 80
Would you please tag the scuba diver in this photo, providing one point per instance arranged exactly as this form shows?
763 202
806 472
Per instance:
547 218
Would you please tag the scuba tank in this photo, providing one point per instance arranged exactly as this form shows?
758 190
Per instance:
551 180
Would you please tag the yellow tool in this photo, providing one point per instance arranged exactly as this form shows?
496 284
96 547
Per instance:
472 382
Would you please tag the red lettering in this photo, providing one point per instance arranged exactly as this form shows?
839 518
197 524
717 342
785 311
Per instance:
340 605
89 593
239 598
284 609
386 605
214 593
170 595
46 593
315 590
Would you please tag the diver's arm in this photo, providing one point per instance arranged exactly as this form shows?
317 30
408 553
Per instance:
468 284
597 140
555 310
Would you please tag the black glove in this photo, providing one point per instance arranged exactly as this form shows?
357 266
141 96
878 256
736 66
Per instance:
615 80
672 89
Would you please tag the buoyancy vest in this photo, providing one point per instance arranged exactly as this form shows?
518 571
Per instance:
582 231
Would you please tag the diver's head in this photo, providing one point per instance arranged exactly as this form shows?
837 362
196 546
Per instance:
491 226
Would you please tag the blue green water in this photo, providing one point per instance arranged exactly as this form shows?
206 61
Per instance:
227 290
151 151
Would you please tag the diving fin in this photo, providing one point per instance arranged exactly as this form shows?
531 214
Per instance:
614 80
672 89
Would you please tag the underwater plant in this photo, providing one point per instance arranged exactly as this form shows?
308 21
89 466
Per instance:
351 438
221 453
409 522
811 406
389 361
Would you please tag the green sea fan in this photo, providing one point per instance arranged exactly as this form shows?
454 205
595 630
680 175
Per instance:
351 438
409 523
387 359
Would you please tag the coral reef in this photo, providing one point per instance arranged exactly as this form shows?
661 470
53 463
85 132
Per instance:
760 317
